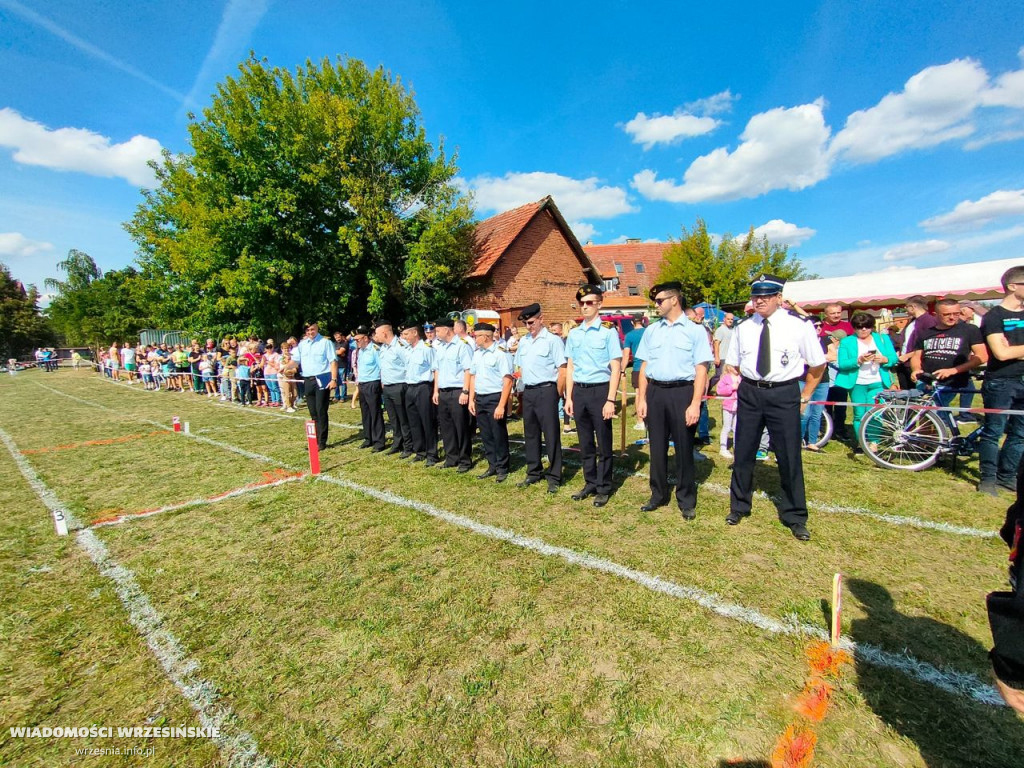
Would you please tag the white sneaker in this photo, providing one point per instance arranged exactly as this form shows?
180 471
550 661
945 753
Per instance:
725 453
640 427
289 410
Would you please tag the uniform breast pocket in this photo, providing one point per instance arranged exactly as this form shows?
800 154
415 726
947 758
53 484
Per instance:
682 344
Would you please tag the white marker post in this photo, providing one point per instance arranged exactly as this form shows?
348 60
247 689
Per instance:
837 607
187 430
61 522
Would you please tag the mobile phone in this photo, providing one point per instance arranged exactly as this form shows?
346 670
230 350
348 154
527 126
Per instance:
871 352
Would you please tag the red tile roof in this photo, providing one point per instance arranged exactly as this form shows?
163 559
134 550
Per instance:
493 236
605 257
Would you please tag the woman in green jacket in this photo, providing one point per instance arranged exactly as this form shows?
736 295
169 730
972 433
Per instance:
864 363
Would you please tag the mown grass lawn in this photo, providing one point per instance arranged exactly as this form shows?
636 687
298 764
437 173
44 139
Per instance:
344 630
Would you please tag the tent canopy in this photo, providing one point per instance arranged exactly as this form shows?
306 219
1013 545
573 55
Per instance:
890 287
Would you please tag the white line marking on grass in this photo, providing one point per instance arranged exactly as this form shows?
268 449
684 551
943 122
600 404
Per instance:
949 680
246 489
911 521
236 745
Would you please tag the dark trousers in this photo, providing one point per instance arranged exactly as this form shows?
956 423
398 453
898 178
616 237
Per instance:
370 409
394 403
587 404
838 412
995 463
540 417
493 432
317 401
419 408
666 418
453 420
778 410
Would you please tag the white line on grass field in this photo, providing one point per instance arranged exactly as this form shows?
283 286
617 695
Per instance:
197 502
949 680
911 521
236 745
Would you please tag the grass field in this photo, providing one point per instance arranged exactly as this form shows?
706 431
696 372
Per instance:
392 614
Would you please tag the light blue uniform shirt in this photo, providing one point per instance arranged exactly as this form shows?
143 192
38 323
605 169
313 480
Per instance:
393 358
673 351
314 356
592 348
368 363
490 367
540 357
419 366
451 361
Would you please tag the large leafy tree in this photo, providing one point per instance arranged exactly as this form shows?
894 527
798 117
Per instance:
94 308
312 194
22 325
721 273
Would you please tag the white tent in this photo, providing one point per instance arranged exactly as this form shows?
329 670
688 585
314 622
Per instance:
890 287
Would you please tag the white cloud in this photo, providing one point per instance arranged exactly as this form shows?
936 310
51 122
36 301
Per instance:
780 149
619 240
577 199
993 138
665 129
906 251
1003 202
583 230
781 233
1008 89
990 238
78 149
15 244
690 120
934 106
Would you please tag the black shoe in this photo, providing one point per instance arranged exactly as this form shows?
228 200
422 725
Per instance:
689 514
378 449
394 450
800 532
462 470
528 482
586 493
650 506
501 478
733 518
1009 485
991 487
322 447
418 458
433 463
405 454
600 500
553 486
489 473
365 445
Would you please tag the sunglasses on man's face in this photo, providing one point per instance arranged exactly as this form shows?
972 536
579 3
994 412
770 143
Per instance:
588 302
661 300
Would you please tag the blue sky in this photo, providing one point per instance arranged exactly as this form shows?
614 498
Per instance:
864 135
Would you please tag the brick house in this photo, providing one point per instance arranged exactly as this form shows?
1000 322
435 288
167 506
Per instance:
525 255
628 270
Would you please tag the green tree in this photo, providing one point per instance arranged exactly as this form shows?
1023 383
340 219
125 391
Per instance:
722 273
93 308
22 325
312 194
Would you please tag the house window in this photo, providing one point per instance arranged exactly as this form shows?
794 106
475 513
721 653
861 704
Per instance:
610 285
639 268
619 269
634 290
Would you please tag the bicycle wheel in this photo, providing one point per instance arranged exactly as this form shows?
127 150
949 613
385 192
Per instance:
824 431
900 438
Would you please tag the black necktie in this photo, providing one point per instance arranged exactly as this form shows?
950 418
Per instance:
764 351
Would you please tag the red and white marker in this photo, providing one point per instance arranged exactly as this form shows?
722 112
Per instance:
837 607
314 449
177 423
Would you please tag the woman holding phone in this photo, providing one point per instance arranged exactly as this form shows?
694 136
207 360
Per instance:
865 360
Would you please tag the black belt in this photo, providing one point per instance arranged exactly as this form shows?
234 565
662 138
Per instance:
419 383
588 386
488 394
396 384
449 389
542 384
670 384
769 384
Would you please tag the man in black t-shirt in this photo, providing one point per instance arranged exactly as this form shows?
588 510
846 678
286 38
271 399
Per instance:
949 351
1003 329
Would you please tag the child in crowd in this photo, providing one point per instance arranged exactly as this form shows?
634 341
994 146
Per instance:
206 371
289 371
243 376
146 372
728 387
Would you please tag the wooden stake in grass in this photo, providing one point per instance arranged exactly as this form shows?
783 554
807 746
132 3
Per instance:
837 607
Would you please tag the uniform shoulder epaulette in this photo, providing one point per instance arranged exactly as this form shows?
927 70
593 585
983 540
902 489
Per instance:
607 324
797 315
428 343
464 341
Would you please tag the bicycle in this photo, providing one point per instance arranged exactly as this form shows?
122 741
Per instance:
824 433
897 434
